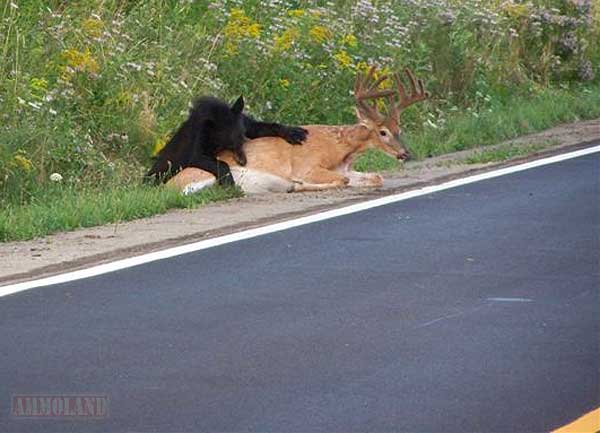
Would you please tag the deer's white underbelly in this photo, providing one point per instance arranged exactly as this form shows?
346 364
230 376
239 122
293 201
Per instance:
249 180
253 181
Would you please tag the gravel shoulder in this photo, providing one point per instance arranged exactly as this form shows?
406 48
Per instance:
68 251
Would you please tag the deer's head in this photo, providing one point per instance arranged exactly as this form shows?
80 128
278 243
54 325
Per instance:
378 129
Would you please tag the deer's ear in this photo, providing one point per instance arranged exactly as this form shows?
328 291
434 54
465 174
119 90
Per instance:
238 105
360 132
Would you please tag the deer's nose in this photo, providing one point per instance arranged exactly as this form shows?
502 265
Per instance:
404 155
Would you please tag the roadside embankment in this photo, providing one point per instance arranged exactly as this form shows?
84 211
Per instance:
77 249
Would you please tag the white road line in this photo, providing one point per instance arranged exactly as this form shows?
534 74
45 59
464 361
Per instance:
510 300
259 231
451 316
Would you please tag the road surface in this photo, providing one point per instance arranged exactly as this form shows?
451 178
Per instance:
470 309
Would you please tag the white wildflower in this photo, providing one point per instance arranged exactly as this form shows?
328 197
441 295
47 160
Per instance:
56 177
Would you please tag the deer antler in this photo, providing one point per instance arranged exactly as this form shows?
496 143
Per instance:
366 89
417 88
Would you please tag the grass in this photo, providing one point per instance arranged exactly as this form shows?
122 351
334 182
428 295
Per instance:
376 161
513 118
505 153
70 208
510 119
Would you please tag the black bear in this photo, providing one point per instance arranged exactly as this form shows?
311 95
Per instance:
211 127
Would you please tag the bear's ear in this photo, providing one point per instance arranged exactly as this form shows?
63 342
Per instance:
238 105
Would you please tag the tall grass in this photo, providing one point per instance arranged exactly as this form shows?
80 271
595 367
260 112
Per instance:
89 90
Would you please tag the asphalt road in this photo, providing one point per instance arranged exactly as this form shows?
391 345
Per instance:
471 309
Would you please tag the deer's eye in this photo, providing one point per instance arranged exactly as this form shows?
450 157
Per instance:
383 133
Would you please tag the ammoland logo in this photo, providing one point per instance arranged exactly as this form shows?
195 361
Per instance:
59 406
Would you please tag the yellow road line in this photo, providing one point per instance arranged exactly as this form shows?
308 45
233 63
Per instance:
588 423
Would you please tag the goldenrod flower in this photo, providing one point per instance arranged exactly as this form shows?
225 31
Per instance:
381 72
362 67
78 61
350 40
516 10
343 59
38 87
285 41
92 27
320 34
239 27
253 30
284 82
22 162
296 13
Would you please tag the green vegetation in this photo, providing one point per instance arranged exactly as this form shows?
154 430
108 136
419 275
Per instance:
71 208
507 120
504 153
89 90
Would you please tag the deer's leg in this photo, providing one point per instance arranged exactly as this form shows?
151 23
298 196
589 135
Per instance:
319 179
306 187
365 179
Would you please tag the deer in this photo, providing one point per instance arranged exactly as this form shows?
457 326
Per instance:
325 159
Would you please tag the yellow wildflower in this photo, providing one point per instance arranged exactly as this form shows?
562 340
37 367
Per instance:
92 27
231 48
285 41
381 72
362 67
239 27
343 59
253 31
22 162
159 145
296 13
284 82
350 40
516 10
78 61
38 87
320 34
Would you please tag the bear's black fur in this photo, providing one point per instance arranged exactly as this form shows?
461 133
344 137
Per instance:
211 127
